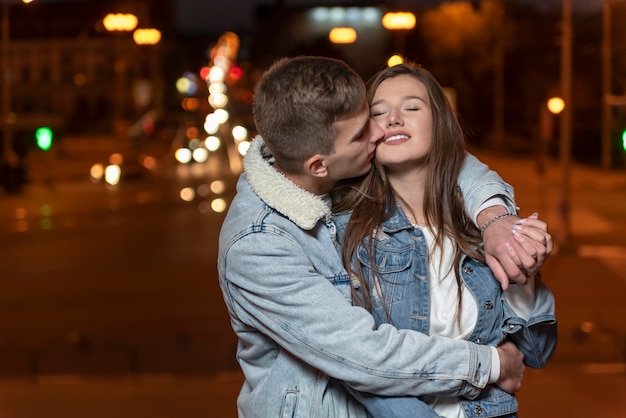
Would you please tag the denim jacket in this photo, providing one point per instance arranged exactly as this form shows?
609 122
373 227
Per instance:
402 262
288 298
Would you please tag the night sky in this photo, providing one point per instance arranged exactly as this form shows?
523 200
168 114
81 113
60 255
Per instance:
212 15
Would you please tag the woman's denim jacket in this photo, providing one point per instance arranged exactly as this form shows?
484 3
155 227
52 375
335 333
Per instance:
402 260
299 336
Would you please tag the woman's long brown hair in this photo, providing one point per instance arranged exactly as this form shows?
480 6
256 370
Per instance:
372 198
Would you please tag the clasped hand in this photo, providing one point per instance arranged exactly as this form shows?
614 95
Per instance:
515 249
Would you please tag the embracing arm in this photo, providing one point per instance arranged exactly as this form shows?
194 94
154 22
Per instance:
303 312
487 197
531 321
530 308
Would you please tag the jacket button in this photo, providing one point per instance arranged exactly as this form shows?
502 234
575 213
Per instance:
488 305
468 269
478 410
478 341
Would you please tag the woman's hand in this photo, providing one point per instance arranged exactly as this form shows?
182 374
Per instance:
516 249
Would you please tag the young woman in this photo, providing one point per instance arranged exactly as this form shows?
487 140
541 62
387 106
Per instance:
415 256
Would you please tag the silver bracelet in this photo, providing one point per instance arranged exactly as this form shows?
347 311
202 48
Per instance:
493 220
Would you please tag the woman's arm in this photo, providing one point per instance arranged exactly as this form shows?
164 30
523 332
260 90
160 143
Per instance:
487 197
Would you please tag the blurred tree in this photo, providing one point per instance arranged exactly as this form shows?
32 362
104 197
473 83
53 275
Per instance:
460 40
455 30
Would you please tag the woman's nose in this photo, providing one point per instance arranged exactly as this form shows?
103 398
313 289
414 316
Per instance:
394 120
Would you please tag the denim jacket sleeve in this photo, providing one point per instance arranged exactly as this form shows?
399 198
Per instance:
304 314
535 337
478 184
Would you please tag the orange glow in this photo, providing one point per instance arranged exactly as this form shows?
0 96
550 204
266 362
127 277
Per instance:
120 22
342 35
148 36
190 104
399 20
192 132
555 105
394 60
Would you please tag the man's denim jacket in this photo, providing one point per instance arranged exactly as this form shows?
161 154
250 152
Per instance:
288 298
402 261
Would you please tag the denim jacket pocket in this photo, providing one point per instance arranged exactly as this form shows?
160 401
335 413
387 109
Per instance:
391 266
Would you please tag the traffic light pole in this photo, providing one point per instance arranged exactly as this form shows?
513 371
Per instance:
607 115
8 156
566 119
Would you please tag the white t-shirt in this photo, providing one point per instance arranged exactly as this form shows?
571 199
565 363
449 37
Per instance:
443 311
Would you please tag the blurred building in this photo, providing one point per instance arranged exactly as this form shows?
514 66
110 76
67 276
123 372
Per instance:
68 71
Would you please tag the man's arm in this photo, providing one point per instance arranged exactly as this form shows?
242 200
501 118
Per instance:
306 315
511 373
509 259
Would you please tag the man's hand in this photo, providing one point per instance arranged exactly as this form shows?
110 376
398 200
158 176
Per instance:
515 249
511 367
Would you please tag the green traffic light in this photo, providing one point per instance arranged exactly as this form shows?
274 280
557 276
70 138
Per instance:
44 138
624 139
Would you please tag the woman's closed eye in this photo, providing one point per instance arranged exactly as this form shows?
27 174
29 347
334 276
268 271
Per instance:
377 112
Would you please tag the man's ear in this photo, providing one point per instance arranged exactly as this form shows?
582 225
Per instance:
316 166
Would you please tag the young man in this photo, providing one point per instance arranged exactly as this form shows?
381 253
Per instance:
287 293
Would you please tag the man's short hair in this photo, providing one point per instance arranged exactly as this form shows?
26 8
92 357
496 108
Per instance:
297 102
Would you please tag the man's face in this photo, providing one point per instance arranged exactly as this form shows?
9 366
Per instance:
354 146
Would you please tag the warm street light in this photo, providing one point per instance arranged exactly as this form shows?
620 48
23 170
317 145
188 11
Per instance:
399 21
395 60
555 105
147 36
566 119
120 22
343 35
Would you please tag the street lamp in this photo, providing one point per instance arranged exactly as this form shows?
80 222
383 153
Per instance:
566 118
401 23
398 20
8 156
342 35
555 105
147 36
547 113
119 23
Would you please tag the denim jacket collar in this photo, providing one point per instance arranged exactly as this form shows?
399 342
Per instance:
397 221
303 208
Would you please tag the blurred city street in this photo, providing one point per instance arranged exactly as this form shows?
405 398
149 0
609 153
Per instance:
122 124
110 306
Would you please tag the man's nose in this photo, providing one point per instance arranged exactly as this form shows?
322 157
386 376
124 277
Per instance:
377 132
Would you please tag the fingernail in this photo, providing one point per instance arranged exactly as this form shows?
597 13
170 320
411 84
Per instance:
535 215
508 247
517 227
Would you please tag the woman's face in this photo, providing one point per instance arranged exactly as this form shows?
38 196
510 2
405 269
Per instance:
401 107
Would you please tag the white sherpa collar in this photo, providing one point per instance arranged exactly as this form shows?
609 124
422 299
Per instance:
278 192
